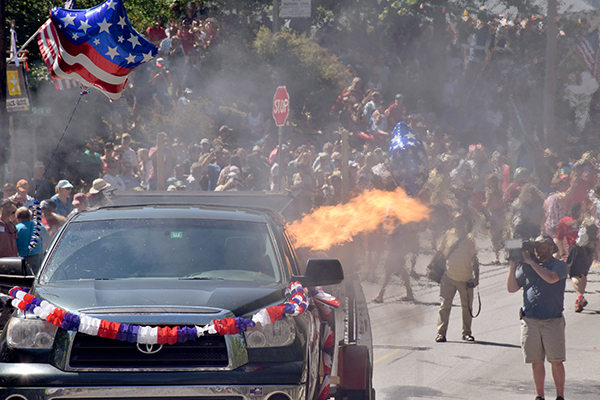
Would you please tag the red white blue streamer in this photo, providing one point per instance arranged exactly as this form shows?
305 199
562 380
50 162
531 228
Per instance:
294 305
37 225
325 303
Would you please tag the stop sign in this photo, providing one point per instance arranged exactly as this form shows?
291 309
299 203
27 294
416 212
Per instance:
281 106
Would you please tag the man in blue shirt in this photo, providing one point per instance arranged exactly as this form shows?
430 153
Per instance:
25 227
542 321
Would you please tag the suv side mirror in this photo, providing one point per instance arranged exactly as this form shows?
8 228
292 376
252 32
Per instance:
322 272
13 272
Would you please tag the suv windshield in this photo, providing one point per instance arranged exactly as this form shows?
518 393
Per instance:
161 248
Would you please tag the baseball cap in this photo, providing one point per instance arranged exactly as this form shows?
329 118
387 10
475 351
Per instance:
205 140
399 96
64 184
544 238
78 199
22 184
160 62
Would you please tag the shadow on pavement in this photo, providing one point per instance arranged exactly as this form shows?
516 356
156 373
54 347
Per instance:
393 347
484 343
409 392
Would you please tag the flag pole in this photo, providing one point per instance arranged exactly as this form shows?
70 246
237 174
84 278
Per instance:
25 45
38 31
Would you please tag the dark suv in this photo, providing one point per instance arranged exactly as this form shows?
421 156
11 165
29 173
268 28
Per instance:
174 263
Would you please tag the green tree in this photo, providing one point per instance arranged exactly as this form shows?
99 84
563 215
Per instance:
303 66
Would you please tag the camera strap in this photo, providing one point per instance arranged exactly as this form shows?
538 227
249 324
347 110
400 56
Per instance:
454 246
469 303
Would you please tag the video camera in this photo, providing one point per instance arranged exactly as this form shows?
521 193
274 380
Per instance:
514 247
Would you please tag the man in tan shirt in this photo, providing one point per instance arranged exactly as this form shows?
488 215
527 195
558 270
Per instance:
462 275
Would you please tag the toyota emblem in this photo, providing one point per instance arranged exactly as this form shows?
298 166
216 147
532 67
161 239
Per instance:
148 348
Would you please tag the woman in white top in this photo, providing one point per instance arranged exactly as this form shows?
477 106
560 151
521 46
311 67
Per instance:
256 122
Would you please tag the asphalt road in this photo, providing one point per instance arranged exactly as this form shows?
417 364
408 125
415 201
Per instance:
409 364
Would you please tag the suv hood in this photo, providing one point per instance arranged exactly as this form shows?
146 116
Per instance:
159 296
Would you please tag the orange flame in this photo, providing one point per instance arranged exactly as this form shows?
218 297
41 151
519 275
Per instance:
374 209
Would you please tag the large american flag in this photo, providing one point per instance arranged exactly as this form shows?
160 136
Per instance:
590 54
64 84
96 47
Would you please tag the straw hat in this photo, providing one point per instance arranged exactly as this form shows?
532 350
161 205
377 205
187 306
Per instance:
99 185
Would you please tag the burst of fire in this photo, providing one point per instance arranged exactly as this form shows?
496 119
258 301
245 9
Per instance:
368 212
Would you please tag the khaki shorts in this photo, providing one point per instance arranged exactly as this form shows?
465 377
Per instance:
543 338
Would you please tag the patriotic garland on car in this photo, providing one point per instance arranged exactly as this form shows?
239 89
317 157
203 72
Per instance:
294 305
325 302
37 225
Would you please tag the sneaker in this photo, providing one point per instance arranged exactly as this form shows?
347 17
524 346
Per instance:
580 303
539 398
560 398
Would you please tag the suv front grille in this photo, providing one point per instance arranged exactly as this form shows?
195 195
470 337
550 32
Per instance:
209 351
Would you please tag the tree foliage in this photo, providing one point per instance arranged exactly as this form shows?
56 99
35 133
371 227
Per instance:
303 66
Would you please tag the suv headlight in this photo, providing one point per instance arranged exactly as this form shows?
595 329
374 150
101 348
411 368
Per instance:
278 334
30 333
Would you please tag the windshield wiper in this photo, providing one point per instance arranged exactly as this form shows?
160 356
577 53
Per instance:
201 278
97 279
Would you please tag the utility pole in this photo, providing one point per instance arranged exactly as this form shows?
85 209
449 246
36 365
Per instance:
275 15
550 78
3 64
4 135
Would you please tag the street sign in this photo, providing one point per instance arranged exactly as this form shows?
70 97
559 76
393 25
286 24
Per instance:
41 111
17 97
281 106
295 8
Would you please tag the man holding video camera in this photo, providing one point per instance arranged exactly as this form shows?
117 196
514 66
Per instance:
542 322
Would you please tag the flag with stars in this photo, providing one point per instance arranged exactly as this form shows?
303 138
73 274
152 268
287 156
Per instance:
96 47
408 159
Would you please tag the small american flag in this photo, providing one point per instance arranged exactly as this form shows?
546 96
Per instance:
95 47
590 54
408 159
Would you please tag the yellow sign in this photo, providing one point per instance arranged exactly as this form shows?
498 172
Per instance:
14 89
17 98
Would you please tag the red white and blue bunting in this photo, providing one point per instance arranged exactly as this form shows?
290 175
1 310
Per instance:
325 302
37 225
295 304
